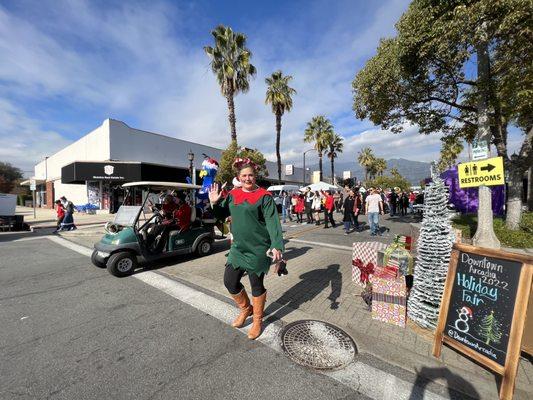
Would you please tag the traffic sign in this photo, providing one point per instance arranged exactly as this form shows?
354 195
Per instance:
480 152
33 184
486 172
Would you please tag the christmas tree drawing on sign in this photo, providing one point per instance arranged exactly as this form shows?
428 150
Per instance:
489 329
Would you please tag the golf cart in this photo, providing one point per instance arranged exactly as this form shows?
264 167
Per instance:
136 234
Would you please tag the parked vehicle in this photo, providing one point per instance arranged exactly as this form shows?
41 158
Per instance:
130 237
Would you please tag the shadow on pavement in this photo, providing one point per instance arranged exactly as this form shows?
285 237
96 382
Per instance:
426 375
11 236
312 283
295 252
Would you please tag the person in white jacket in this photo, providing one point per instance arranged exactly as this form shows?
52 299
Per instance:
317 207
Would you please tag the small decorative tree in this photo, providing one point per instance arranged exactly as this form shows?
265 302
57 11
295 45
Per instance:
225 172
434 249
489 329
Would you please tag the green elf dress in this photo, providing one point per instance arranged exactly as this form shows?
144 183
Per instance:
255 228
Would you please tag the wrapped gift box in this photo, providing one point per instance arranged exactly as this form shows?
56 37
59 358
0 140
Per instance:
389 300
364 257
398 258
406 241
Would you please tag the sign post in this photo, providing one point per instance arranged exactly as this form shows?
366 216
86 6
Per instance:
483 309
487 172
33 187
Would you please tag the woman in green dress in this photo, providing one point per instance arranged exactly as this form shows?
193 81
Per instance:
256 231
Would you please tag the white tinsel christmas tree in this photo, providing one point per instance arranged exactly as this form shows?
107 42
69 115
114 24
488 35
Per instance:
434 249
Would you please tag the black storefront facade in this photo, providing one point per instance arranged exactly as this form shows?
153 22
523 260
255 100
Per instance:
104 180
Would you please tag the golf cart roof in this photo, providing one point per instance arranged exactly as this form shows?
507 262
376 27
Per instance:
162 185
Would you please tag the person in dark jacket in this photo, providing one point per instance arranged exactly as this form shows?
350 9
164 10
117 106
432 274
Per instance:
308 201
329 206
349 203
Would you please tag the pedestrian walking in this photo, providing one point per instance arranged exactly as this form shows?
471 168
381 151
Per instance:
336 200
308 201
68 220
404 203
60 214
256 232
329 206
412 199
285 206
348 218
317 207
300 207
357 207
374 207
393 202
294 201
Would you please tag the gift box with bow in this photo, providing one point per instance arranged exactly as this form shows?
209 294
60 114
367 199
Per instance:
364 259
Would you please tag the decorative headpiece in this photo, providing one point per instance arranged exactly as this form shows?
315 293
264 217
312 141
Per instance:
240 162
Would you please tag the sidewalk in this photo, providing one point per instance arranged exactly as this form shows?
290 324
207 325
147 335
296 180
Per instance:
319 286
46 218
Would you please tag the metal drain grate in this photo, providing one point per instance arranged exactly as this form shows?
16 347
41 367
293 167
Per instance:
317 344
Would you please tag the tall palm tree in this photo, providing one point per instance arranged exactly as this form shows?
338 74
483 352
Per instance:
230 62
365 159
317 131
380 165
451 147
279 94
334 146
394 172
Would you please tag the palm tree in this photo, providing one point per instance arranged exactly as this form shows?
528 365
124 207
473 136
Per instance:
451 147
230 62
380 165
279 94
394 172
334 146
317 131
365 159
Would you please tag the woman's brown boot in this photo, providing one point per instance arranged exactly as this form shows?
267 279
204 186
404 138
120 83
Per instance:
259 307
243 302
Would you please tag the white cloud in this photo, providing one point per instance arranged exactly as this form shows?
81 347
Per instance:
131 60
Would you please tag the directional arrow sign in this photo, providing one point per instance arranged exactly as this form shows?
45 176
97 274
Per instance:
484 172
488 168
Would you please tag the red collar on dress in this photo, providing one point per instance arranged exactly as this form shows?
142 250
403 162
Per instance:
240 196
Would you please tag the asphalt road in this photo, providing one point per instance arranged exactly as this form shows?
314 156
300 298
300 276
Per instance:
72 331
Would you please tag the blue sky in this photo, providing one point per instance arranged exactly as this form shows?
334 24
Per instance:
66 65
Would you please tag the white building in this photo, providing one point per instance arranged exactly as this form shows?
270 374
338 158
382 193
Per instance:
91 169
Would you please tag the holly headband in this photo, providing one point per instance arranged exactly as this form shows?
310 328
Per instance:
241 162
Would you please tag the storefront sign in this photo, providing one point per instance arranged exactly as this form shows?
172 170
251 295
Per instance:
289 169
486 172
482 312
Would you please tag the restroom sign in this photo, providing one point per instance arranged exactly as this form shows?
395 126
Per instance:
484 172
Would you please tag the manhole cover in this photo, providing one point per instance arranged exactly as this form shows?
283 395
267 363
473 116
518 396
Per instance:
317 344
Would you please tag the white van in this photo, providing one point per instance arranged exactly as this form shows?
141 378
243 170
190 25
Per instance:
277 189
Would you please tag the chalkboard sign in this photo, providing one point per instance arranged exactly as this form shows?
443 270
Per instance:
482 304
483 308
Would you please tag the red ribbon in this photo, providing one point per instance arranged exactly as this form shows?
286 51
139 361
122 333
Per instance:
366 270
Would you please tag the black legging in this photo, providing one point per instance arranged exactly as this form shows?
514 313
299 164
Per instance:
232 281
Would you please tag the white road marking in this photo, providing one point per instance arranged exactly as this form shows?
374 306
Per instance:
333 246
363 378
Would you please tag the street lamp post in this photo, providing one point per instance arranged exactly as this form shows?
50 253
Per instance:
305 152
190 156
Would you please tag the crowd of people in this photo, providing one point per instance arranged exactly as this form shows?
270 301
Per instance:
308 206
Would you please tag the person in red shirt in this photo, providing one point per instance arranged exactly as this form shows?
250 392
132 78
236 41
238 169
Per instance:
300 206
60 213
182 215
329 206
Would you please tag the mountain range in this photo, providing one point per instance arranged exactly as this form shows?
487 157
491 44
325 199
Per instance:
413 171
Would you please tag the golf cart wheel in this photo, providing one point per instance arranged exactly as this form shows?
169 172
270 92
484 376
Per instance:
122 264
204 247
96 261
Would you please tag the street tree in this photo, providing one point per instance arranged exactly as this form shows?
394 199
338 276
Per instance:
279 95
365 158
225 171
380 165
230 62
316 132
334 146
9 175
458 67
451 147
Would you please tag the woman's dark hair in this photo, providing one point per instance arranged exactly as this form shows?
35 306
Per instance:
58 202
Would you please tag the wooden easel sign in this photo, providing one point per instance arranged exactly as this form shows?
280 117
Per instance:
483 308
